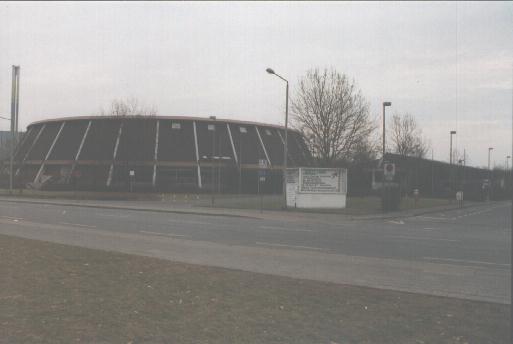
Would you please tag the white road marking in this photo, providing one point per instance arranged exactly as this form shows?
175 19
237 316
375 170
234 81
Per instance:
399 222
163 234
77 224
291 246
464 261
286 229
15 219
433 218
421 238
190 222
113 215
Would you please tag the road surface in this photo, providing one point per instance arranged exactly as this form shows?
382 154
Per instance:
459 253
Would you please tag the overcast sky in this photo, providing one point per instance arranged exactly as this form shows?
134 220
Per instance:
448 64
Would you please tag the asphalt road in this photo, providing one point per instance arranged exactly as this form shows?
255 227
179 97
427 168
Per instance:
477 237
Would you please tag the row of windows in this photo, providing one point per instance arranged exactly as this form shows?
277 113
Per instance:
243 130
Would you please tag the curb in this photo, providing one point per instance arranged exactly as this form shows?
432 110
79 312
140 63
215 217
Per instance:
382 216
152 210
413 214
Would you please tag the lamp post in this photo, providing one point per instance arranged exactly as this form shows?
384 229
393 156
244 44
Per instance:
15 104
385 104
490 173
489 150
452 132
285 146
507 170
213 118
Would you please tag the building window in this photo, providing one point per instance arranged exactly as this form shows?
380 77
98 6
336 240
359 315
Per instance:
243 130
176 126
211 127
268 132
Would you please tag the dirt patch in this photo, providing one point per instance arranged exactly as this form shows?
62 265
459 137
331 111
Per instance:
54 293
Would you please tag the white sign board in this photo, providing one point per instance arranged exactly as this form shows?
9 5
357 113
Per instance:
316 187
320 180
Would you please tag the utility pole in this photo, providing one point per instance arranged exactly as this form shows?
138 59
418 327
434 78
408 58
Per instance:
213 118
286 143
490 175
383 192
432 173
451 172
14 119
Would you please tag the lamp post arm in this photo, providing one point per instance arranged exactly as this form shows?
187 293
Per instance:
282 78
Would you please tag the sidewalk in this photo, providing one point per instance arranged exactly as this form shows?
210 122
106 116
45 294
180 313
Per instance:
189 208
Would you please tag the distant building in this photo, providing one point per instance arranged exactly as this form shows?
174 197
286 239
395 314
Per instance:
432 179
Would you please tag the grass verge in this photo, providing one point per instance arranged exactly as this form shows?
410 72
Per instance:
53 293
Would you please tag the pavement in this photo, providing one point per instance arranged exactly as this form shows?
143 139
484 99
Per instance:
190 207
460 253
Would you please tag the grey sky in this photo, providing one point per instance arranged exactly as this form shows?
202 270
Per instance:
448 64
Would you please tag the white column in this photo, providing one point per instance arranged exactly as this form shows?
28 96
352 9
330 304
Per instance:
263 146
25 138
109 178
154 179
231 141
49 152
79 151
197 154
30 149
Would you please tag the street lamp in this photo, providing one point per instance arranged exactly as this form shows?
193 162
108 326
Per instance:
15 106
452 132
285 146
385 104
507 170
489 150
213 118
490 175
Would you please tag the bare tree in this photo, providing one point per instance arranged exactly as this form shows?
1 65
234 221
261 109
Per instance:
128 107
332 114
407 137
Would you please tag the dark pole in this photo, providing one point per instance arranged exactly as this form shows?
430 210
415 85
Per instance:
432 173
385 104
14 120
285 145
213 118
490 174
451 172
240 163
383 154
286 148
